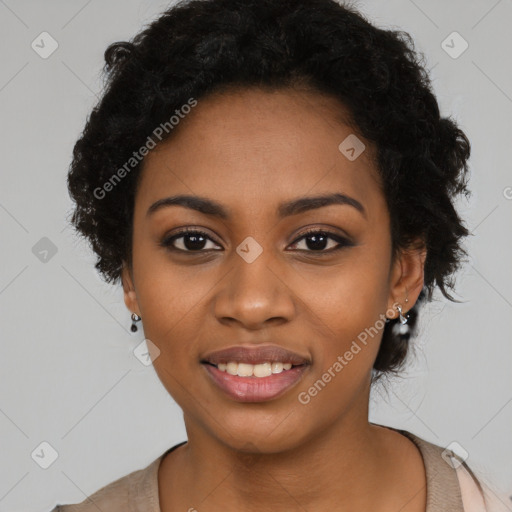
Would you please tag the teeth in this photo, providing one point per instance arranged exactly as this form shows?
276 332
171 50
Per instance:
245 370
232 368
253 370
261 370
277 367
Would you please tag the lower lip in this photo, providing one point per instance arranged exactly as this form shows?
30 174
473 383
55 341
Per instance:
255 389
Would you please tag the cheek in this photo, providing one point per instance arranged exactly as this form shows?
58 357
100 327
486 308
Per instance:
349 297
349 310
171 298
350 321
170 311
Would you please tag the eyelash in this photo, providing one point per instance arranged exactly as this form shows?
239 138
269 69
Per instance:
342 242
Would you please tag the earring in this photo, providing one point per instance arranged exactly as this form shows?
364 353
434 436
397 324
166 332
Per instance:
135 318
403 319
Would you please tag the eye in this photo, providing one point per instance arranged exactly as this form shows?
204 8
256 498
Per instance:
318 240
194 240
190 240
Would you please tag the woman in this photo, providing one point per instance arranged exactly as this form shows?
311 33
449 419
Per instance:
272 183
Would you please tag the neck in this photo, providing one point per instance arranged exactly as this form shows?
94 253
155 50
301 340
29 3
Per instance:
345 468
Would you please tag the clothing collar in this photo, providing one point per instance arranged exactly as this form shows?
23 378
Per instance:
443 490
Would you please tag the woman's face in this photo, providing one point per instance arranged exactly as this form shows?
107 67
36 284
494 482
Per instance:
256 277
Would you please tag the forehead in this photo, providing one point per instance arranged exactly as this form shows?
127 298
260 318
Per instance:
252 148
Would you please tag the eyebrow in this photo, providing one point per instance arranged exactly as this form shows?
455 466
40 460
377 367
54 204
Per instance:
210 207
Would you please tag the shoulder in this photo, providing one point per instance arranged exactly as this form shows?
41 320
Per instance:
131 493
476 494
481 495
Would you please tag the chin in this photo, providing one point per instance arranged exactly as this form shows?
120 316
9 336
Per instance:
276 435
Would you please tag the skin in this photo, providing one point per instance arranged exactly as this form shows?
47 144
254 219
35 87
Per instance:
250 150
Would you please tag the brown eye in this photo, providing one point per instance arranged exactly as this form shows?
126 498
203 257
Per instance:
318 240
189 240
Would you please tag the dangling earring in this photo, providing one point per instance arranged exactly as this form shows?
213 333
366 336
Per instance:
403 319
135 318
401 328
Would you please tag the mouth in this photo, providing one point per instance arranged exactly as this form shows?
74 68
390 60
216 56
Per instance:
255 374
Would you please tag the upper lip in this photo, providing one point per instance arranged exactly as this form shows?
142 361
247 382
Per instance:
254 355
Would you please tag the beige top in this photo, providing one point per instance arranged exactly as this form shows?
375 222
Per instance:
138 491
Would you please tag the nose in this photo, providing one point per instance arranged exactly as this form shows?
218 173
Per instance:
254 294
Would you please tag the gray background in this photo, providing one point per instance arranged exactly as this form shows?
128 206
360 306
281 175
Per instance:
68 373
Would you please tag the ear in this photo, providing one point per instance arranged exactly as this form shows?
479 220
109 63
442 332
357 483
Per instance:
130 296
407 277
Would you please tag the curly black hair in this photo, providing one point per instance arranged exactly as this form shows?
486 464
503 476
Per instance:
197 47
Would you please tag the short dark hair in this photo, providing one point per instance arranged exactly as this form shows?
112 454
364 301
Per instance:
197 47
